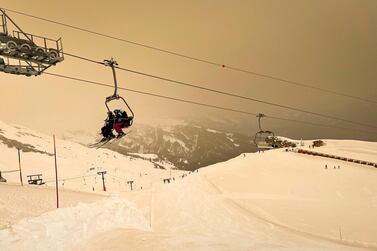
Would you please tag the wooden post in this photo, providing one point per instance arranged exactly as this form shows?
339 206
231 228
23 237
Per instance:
103 179
19 166
56 175
340 233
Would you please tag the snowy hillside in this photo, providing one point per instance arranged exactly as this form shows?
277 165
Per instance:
186 144
78 165
355 149
298 191
277 200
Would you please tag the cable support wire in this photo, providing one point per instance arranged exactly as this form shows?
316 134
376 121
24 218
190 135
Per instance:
202 60
116 177
234 95
204 104
71 178
10 171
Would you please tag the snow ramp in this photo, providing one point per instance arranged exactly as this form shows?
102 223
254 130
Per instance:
191 214
63 229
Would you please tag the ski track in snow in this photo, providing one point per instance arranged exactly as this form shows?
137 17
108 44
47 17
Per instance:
252 202
65 228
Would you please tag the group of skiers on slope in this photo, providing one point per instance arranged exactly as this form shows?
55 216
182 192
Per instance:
115 121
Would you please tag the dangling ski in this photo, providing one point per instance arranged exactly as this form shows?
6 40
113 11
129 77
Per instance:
105 141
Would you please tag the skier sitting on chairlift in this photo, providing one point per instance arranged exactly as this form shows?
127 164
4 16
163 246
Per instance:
107 129
122 120
118 118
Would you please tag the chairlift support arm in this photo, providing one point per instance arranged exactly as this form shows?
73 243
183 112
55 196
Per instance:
18 27
259 116
112 63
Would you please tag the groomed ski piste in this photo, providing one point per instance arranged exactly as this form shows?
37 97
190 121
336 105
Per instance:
276 200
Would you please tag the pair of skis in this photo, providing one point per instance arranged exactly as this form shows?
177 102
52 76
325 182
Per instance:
105 141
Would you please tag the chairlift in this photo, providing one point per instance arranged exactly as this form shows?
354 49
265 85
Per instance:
112 63
262 138
118 119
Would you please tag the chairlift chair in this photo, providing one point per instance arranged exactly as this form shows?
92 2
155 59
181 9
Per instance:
112 63
262 137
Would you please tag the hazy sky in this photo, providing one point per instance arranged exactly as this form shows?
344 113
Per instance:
331 44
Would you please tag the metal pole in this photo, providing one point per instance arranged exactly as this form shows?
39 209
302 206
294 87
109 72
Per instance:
130 182
115 80
103 179
259 116
6 16
103 183
19 166
151 208
112 63
56 175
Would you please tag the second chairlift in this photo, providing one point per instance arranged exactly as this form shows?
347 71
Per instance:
263 139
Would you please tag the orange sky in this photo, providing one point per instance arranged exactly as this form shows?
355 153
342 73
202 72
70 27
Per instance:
327 43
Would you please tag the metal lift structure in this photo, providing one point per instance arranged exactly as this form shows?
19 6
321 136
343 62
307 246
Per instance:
24 53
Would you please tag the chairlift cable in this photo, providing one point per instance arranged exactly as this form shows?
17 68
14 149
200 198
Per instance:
205 104
232 94
237 69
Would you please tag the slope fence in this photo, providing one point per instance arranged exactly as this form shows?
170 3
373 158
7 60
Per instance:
362 162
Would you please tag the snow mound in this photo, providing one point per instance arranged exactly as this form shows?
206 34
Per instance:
63 229
78 164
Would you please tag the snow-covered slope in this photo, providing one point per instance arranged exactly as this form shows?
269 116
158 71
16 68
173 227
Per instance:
77 165
354 149
65 228
297 191
194 215
186 143
275 200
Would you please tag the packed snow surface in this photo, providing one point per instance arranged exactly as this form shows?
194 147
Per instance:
63 229
276 200
78 165
354 149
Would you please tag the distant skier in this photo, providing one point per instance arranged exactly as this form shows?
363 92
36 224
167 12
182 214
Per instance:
122 120
326 166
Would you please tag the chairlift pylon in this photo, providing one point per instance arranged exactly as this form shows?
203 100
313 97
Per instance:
24 53
261 137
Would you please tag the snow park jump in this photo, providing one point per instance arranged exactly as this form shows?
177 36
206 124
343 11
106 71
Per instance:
195 170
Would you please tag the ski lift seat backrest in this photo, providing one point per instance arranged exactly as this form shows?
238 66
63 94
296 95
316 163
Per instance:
111 98
261 137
